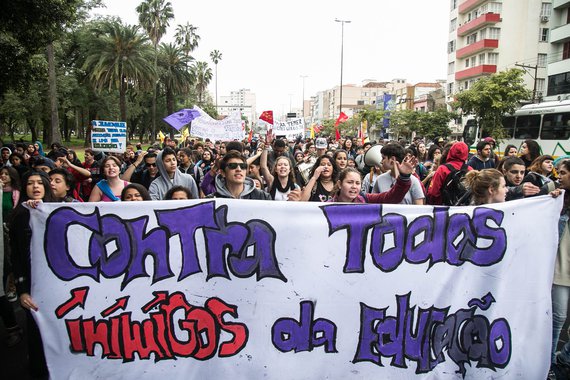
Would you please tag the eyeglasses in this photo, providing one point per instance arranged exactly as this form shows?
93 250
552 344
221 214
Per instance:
234 165
151 165
514 172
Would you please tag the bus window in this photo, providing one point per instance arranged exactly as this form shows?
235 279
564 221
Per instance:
527 127
509 126
555 126
470 132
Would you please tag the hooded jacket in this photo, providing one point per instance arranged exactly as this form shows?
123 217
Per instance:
163 183
249 190
456 157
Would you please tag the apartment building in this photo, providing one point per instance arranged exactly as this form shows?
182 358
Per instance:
558 68
242 100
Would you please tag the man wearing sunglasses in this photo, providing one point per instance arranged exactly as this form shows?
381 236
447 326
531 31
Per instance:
142 174
233 181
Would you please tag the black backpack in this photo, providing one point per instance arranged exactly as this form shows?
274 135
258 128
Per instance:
453 192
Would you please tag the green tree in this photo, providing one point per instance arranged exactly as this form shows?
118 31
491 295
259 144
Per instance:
216 57
435 124
187 37
120 58
155 16
403 123
173 74
491 97
203 75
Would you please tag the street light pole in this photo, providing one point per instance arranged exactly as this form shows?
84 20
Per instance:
303 97
342 22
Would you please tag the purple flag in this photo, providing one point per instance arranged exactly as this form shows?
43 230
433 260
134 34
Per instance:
179 119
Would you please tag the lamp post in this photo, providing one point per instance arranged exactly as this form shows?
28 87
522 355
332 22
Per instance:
342 22
303 96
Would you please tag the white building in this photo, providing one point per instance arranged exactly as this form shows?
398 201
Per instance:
558 87
242 100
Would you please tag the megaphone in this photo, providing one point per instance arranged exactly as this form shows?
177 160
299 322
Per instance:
373 156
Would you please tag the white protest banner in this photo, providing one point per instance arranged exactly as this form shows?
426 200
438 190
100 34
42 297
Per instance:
294 290
230 128
290 128
109 136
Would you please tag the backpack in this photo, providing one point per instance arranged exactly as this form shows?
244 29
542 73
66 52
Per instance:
453 191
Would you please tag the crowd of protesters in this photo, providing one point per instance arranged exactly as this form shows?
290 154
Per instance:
315 170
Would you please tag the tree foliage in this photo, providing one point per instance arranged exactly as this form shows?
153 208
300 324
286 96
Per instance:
491 97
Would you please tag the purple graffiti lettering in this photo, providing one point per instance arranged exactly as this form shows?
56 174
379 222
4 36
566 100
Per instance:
463 335
287 334
454 239
357 221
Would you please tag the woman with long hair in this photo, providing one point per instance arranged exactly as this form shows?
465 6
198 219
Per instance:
540 172
340 157
530 151
36 189
322 179
110 188
348 186
510 151
486 186
281 180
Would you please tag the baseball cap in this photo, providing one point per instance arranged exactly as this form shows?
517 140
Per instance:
321 143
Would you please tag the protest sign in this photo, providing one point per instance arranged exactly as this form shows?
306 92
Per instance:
109 136
258 289
230 128
290 128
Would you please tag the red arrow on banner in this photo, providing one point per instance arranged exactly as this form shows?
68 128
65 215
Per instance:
78 297
120 304
159 297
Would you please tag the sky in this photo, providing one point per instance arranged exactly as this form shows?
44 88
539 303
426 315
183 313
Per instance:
267 46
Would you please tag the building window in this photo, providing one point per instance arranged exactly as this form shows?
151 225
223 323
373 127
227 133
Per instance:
493 58
559 84
494 7
451 46
540 83
482 59
450 88
543 35
541 62
453 25
466 85
546 10
566 48
450 68
494 33
453 4
472 39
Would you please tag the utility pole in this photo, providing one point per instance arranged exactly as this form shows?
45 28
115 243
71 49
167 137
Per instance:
535 67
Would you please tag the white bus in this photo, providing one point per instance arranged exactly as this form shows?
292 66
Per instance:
548 123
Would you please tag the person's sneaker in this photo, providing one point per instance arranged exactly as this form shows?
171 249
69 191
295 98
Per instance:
12 296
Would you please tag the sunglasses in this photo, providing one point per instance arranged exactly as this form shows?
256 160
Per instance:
150 165
234 165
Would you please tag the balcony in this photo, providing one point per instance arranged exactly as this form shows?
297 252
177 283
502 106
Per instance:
560 34
469 5
475 71
486 19
477 47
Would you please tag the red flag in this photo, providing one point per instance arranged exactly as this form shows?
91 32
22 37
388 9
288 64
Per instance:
341 119
337 134
250 137
317 128
267 116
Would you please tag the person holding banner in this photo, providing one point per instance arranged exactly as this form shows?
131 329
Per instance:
37 189
110 188
486 186
348 187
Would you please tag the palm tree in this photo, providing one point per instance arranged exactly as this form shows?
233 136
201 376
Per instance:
154 16
187 38
119 58
216 57
173 73
203 75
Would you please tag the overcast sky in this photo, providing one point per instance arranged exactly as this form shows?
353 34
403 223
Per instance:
267 45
